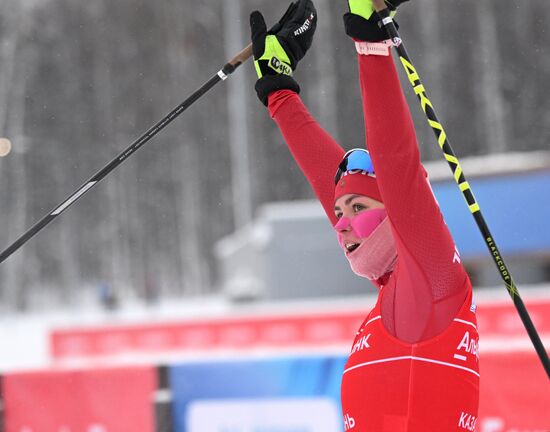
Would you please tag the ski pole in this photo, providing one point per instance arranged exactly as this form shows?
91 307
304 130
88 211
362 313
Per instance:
221 75
460 179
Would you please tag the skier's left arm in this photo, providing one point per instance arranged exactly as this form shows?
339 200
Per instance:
432 283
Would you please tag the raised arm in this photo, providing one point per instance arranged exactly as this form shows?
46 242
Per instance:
432 283
276 55
426 249
313 149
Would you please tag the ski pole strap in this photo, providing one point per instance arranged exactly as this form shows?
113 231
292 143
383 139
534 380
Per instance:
374 48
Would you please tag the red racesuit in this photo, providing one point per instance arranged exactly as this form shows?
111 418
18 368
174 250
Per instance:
414 364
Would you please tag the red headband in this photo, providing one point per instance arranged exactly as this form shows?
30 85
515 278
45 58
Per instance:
357 182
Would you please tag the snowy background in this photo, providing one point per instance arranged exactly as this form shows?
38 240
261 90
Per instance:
79 81
183 231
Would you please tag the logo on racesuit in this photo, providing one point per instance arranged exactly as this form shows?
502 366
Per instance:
456 257
361 344
468 345
349 422
467 421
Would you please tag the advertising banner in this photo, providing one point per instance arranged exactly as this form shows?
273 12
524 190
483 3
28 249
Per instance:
103 400
238 333
515 393
302 394
283 395
271 414
274 331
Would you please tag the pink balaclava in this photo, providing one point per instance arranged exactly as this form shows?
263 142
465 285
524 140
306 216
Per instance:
377 254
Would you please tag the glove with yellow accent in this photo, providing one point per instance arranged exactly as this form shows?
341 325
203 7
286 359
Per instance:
278 51
362 21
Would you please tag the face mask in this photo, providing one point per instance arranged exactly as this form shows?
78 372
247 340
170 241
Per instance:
377 254
362 224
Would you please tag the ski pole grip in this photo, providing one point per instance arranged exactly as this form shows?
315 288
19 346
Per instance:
379 5
239 59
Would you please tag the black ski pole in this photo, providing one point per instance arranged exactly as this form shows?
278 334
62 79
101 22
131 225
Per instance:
221 75
460 179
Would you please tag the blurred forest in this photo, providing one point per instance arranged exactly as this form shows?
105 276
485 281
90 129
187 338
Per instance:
80 80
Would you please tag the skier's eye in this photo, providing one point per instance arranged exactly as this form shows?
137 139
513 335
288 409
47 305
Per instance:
358 207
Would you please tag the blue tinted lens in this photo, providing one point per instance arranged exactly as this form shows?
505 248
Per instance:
359 160
356 159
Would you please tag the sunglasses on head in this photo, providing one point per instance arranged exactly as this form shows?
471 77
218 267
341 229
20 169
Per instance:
354 160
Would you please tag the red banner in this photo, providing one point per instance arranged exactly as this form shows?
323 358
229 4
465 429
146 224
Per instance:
515 393
276 331
104 400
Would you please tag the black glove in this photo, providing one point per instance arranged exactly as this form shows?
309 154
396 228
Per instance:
277 52
363 23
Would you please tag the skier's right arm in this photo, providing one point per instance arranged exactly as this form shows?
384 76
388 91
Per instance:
313 149
276 54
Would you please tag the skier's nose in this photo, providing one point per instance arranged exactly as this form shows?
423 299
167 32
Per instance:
344 224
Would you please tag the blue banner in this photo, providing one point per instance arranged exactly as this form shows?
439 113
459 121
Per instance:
515 207
271 395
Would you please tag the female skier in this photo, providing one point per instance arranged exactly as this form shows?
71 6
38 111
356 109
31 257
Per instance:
414 362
